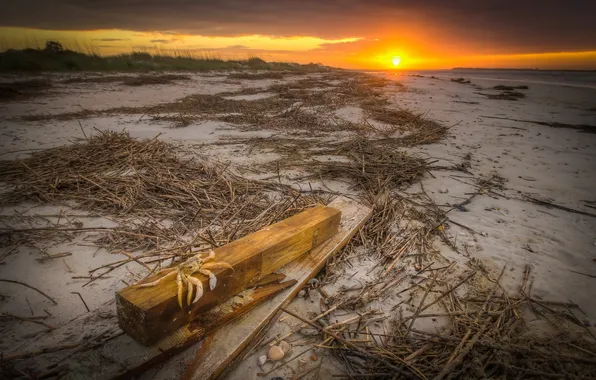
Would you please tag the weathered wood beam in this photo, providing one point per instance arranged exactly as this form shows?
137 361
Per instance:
218 351
151 313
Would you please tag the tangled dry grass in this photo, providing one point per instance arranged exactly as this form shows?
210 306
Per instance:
130 80
504 95
159 196
306 106
482 329
487 335
264 75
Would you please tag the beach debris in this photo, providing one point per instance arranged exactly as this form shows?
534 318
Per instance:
527 178
19 90
275 353
486 322
461 208
443 191
309 332
301 294
484 234
543 202
461 80
184 277
504 95
510 88
471 244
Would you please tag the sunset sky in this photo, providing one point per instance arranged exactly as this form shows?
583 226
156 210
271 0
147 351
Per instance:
431 34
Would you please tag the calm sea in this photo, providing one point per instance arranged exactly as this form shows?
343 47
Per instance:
586 79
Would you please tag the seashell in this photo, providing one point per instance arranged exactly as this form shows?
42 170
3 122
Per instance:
275 353
262 359
286 347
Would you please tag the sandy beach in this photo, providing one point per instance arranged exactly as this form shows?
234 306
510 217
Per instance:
506 189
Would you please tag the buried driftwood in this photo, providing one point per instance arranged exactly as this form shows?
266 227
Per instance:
151 313
225 344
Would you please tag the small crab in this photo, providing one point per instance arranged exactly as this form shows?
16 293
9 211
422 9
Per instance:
184 276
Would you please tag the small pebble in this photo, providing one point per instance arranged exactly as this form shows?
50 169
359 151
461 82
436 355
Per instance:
485 234
470 244
275 353
262 359
301 294
443 191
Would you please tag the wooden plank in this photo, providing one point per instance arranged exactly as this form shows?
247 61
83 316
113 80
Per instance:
228 342
269 278
151 313
122 357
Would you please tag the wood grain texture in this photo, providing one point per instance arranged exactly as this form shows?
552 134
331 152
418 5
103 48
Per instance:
229 341
151 313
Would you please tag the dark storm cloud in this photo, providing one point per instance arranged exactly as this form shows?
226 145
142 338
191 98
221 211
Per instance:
161 41
546 25
237 47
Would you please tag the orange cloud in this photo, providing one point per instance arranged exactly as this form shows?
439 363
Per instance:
417 50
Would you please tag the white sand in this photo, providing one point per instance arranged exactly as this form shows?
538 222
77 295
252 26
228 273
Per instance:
550 163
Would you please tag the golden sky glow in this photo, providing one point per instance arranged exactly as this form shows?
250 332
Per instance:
410 50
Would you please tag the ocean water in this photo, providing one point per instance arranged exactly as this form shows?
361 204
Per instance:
585 79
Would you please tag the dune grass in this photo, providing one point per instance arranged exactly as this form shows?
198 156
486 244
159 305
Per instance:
54 57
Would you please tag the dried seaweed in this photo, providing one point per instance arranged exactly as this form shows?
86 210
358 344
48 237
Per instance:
159 197
486 337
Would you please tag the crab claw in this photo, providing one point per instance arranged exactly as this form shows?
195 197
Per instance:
180 289
210 257
196 282
189 289
212 278
170 271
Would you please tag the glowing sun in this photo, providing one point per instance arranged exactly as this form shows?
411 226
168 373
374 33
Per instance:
396 61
